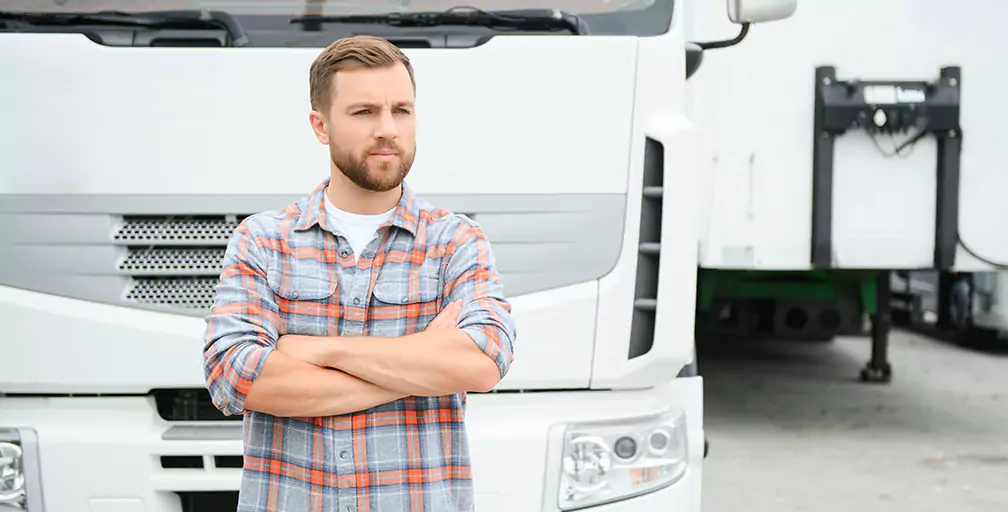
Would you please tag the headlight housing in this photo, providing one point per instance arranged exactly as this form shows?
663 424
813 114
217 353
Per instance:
20 486
615 460
12 488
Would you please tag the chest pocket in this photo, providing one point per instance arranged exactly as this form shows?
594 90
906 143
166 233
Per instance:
400 307
296 279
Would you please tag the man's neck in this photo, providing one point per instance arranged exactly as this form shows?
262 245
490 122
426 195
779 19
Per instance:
347 196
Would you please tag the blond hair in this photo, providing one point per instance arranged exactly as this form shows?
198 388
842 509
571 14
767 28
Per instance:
351 53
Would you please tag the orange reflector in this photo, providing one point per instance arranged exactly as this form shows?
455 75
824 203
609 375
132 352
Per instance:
644 475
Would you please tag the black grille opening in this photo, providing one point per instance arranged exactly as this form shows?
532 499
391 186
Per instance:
646 290
654 164
181 461
229 461
188 405
214 501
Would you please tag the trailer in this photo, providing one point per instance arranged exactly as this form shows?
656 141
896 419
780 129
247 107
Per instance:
874 153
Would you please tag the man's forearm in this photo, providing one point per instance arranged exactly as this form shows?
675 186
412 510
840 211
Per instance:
428 363
288 387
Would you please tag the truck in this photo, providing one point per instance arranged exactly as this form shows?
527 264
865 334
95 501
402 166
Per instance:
134 142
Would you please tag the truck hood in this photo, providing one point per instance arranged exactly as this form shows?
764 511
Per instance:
125 170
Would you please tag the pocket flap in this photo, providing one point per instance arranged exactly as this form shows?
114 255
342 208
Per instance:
301 280
399 290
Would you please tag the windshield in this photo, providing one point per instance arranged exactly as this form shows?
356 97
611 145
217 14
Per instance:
638 17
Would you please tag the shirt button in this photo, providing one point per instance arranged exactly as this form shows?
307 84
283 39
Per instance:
343 454
344 254
356 300
405 300
295 295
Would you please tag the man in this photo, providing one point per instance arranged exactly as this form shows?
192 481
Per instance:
349 326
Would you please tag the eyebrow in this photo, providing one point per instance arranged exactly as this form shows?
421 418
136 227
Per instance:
360 105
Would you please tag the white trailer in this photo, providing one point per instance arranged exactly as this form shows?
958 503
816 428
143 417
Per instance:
875 149
132 146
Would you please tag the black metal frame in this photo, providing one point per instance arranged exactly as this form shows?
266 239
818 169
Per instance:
927 108
841 106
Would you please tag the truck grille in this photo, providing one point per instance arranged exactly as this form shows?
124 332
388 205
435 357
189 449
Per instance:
174 261
649 250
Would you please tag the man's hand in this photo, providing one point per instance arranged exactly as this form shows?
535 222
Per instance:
447 318
440 360
310 349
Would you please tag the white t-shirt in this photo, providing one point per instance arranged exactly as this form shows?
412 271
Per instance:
359 229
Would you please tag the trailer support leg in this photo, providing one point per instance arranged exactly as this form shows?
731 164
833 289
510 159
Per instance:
878 368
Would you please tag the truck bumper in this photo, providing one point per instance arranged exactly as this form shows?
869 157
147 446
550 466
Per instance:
117 454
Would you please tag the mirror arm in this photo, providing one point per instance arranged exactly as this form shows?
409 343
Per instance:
725 44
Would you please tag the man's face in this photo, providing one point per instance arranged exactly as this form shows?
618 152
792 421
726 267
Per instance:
371 126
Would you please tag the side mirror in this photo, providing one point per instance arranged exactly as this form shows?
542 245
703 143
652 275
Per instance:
760 11
745 13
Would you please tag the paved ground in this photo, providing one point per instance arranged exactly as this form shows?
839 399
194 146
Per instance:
791 428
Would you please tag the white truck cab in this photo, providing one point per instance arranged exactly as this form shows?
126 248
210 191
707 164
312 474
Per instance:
133 143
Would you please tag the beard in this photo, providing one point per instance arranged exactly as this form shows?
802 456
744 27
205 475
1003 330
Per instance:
381 177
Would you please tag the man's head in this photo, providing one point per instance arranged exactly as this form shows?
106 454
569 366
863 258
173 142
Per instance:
362 98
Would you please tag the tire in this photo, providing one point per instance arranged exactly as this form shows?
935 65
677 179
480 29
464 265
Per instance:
960 313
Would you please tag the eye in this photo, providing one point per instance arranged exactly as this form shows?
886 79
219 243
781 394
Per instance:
362 112
402 111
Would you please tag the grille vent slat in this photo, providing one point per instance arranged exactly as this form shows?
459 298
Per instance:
186 293
177 229
173 261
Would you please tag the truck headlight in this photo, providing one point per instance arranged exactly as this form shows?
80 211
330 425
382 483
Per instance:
20 478
12 478
610 461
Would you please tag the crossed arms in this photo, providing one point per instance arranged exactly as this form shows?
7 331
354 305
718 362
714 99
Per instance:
250 367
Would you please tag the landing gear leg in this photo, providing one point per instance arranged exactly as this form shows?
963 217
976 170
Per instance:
878 368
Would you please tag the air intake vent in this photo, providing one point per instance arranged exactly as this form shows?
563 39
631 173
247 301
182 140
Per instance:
174 260
199 230
646 292
188 293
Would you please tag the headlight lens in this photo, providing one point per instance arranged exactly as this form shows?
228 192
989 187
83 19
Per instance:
12 479
605 462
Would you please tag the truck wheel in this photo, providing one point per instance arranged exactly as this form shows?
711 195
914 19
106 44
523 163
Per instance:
961 312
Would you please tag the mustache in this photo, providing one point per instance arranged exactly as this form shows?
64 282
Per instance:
385 146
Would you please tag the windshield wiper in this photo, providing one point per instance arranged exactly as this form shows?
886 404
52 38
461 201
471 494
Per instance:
185 19
519 19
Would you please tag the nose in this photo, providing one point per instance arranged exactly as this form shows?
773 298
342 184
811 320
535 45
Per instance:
386 128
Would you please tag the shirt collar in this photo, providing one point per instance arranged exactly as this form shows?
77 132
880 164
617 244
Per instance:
406 215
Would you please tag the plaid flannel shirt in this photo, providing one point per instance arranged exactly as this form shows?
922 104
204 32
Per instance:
288 272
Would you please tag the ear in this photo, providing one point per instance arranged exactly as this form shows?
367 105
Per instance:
319 126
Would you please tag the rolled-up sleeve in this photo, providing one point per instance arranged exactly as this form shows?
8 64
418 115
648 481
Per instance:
471 276
241 329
